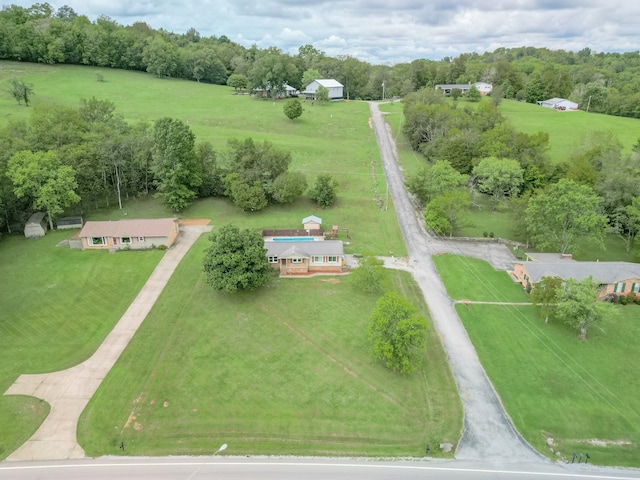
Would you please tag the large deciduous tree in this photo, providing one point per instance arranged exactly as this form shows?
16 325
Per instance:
545 295
397 333
271 70
435 180
288 186
564 214
236 260
444 212
498 177
175 163
238 81
578 305
42 177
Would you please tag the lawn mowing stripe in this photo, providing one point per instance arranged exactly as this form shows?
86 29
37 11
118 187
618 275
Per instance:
573 365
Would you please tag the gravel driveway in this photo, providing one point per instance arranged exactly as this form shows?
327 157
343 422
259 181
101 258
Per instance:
488 432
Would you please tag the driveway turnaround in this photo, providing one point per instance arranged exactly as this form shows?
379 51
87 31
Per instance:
69 391
488 433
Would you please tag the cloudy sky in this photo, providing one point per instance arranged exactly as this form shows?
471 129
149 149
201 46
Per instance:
388 31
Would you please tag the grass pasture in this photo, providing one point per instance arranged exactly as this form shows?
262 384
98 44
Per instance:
283 370
57 305
334 139
567 129
582 395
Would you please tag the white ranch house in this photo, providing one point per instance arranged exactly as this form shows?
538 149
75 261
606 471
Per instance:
483 87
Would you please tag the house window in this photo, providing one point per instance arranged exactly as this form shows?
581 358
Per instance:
332 259
98 241
273 259
125 240
296 260
619 288
317 259
141 239
635 288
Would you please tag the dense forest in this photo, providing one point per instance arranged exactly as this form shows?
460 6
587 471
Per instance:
600 82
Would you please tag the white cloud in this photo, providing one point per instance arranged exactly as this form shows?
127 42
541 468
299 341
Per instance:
380 31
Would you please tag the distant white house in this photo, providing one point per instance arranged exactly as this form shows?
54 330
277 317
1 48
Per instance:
561 104
483 87
336 89
285 90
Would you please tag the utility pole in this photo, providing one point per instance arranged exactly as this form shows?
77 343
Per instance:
383 91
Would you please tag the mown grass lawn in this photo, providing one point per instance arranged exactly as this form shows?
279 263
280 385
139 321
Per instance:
585 396
282 370
553 386
472 279
56 307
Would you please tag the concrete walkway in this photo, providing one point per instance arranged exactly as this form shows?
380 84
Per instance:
488 434
69 391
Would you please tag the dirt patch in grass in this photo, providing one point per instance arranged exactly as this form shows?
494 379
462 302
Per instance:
333 281
607 443
191 222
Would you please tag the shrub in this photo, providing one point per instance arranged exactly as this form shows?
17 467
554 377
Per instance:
162 247
485 234
631 297
623 299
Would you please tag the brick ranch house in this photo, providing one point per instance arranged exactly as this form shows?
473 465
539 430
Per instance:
304 252
619 278
306 257
134 234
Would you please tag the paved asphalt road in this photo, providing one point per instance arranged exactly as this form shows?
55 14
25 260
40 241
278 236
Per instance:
240 468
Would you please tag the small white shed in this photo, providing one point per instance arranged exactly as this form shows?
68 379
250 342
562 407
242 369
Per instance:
312 222
36 226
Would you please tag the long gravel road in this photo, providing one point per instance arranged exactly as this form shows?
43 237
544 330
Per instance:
488 432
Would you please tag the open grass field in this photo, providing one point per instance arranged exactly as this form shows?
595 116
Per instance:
567 129
283 370
582 396
473 279
57 305
334 139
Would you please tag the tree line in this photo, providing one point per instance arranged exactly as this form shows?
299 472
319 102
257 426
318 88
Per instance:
600 82
89 157
471 151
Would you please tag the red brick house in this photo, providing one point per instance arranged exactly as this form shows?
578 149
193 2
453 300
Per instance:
134 234
619 278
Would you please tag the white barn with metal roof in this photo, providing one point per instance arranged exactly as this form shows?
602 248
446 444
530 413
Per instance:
336 89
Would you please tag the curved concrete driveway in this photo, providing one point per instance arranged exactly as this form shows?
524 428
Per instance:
69 391
488 432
